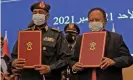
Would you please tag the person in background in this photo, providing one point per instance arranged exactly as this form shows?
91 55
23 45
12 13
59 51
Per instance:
72 32
5 69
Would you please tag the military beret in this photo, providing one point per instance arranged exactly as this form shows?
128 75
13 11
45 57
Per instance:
71 27
40 5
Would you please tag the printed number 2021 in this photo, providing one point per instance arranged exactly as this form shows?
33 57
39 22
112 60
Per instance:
63 20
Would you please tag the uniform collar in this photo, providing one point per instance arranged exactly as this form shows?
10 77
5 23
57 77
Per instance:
40 27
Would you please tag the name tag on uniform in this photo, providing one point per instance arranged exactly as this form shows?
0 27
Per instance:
49 39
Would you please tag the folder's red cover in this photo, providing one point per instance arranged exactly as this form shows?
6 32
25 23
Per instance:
30 47
92 48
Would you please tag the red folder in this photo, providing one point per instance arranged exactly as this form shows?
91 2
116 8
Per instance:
30 47
92 48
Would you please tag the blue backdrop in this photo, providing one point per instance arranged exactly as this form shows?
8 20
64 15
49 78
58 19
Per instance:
16 15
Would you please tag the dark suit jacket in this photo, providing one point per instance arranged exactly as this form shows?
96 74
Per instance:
115 49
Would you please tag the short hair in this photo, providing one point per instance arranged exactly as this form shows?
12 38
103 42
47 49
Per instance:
101 10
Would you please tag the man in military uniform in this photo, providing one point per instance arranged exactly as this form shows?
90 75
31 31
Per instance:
55 51
72 32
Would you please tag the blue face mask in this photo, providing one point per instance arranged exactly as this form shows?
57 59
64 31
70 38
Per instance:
96 26
38 19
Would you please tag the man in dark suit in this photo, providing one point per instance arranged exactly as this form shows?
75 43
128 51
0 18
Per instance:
116 54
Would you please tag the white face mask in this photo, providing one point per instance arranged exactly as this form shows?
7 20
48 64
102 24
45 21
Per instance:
96 26
38 19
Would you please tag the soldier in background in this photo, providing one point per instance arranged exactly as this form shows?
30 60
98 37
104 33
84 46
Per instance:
72 32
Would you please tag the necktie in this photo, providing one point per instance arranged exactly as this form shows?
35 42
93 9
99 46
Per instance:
94 74
44 77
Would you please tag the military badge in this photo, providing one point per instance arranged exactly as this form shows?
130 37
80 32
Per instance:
71 26
42 5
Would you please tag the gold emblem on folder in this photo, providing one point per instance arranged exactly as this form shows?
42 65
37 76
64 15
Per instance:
92 46
29 46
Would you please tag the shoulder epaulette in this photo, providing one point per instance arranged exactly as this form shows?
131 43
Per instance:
56 29
26 29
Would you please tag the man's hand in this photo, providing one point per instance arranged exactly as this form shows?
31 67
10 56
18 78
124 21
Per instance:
19 63
43 69
9 77
106 62
1 75
12 77
6 76
77 67
16 72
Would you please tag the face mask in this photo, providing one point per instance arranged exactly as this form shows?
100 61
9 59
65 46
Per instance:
71 38
96 26
38 19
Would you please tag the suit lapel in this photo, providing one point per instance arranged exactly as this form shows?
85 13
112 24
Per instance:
107 43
